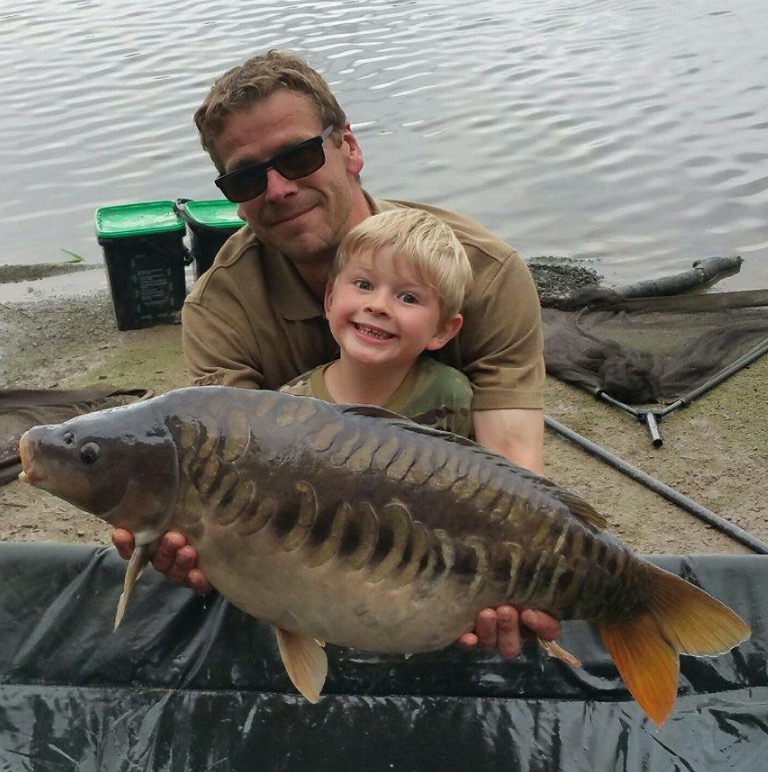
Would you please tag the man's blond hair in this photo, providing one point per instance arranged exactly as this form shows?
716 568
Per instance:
425 241
255 80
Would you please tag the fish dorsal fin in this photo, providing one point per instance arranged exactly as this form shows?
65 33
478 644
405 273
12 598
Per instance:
580 508
576 505
374 411
305 662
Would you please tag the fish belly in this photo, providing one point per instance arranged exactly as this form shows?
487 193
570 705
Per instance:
330 602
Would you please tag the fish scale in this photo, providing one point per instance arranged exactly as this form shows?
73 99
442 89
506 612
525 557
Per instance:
351 525
530 575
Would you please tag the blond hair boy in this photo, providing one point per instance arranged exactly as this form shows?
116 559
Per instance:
394 292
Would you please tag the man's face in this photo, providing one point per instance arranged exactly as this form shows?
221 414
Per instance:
305 219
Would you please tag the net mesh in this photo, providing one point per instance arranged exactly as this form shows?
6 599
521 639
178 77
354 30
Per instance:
652 349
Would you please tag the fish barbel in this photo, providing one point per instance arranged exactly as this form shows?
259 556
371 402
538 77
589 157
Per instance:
349 524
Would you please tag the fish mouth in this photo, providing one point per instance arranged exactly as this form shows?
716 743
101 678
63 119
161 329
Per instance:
29 474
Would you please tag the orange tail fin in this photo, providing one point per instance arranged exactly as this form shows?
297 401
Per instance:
681 619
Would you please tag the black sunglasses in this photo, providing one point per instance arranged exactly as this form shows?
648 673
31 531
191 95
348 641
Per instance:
295 162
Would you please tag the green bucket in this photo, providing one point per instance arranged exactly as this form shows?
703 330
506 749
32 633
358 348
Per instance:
210 223
143 245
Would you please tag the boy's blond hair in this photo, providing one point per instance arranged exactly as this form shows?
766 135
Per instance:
429 244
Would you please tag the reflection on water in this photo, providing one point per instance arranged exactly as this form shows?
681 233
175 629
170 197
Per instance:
628 132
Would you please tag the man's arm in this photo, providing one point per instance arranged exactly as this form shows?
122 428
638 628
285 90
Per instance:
516 434
215 350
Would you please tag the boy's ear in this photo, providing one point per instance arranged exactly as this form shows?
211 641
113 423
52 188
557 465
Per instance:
328 299
447 331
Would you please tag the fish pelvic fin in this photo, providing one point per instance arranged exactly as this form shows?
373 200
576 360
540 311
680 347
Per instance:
681 619
305 662
136 565
556 651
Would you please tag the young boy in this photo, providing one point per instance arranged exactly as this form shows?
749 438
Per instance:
394 292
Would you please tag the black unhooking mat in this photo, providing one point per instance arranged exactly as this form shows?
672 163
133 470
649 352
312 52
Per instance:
193 684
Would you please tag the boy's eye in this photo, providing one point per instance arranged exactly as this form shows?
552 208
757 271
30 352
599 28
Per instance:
408 297
363 284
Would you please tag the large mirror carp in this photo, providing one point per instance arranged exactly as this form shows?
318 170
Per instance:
349 524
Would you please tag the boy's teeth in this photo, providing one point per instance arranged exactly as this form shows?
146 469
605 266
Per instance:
370 331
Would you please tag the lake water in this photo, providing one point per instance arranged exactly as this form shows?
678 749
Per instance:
630 133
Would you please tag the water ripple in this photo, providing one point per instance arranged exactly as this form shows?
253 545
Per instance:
618 130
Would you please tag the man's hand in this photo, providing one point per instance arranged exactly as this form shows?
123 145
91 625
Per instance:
172 557
506 629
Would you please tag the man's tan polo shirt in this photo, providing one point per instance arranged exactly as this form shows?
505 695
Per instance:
250 320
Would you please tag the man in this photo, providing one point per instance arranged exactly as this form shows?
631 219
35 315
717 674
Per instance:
287 155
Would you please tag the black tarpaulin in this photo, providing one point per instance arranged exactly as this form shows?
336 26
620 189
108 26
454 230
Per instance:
192 684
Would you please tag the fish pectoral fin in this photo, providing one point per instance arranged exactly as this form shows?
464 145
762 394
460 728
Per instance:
305 662
554 649
136 565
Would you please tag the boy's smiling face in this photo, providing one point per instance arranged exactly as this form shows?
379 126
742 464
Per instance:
381 312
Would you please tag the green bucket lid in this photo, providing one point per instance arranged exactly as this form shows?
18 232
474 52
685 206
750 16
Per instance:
137 219
217 213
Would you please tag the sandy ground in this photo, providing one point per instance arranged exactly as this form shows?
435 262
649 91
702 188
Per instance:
714 452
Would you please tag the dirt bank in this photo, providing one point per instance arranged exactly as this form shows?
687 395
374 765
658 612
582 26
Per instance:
715 451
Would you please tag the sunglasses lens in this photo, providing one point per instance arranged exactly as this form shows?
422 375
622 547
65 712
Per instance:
293 164
301 161
243 185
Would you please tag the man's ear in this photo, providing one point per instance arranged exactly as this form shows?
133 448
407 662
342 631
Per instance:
354 155
328 299
446 331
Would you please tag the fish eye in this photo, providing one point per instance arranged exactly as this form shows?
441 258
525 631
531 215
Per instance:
68 438
89 453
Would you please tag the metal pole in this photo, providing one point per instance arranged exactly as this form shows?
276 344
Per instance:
739 364
740 535
653 429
